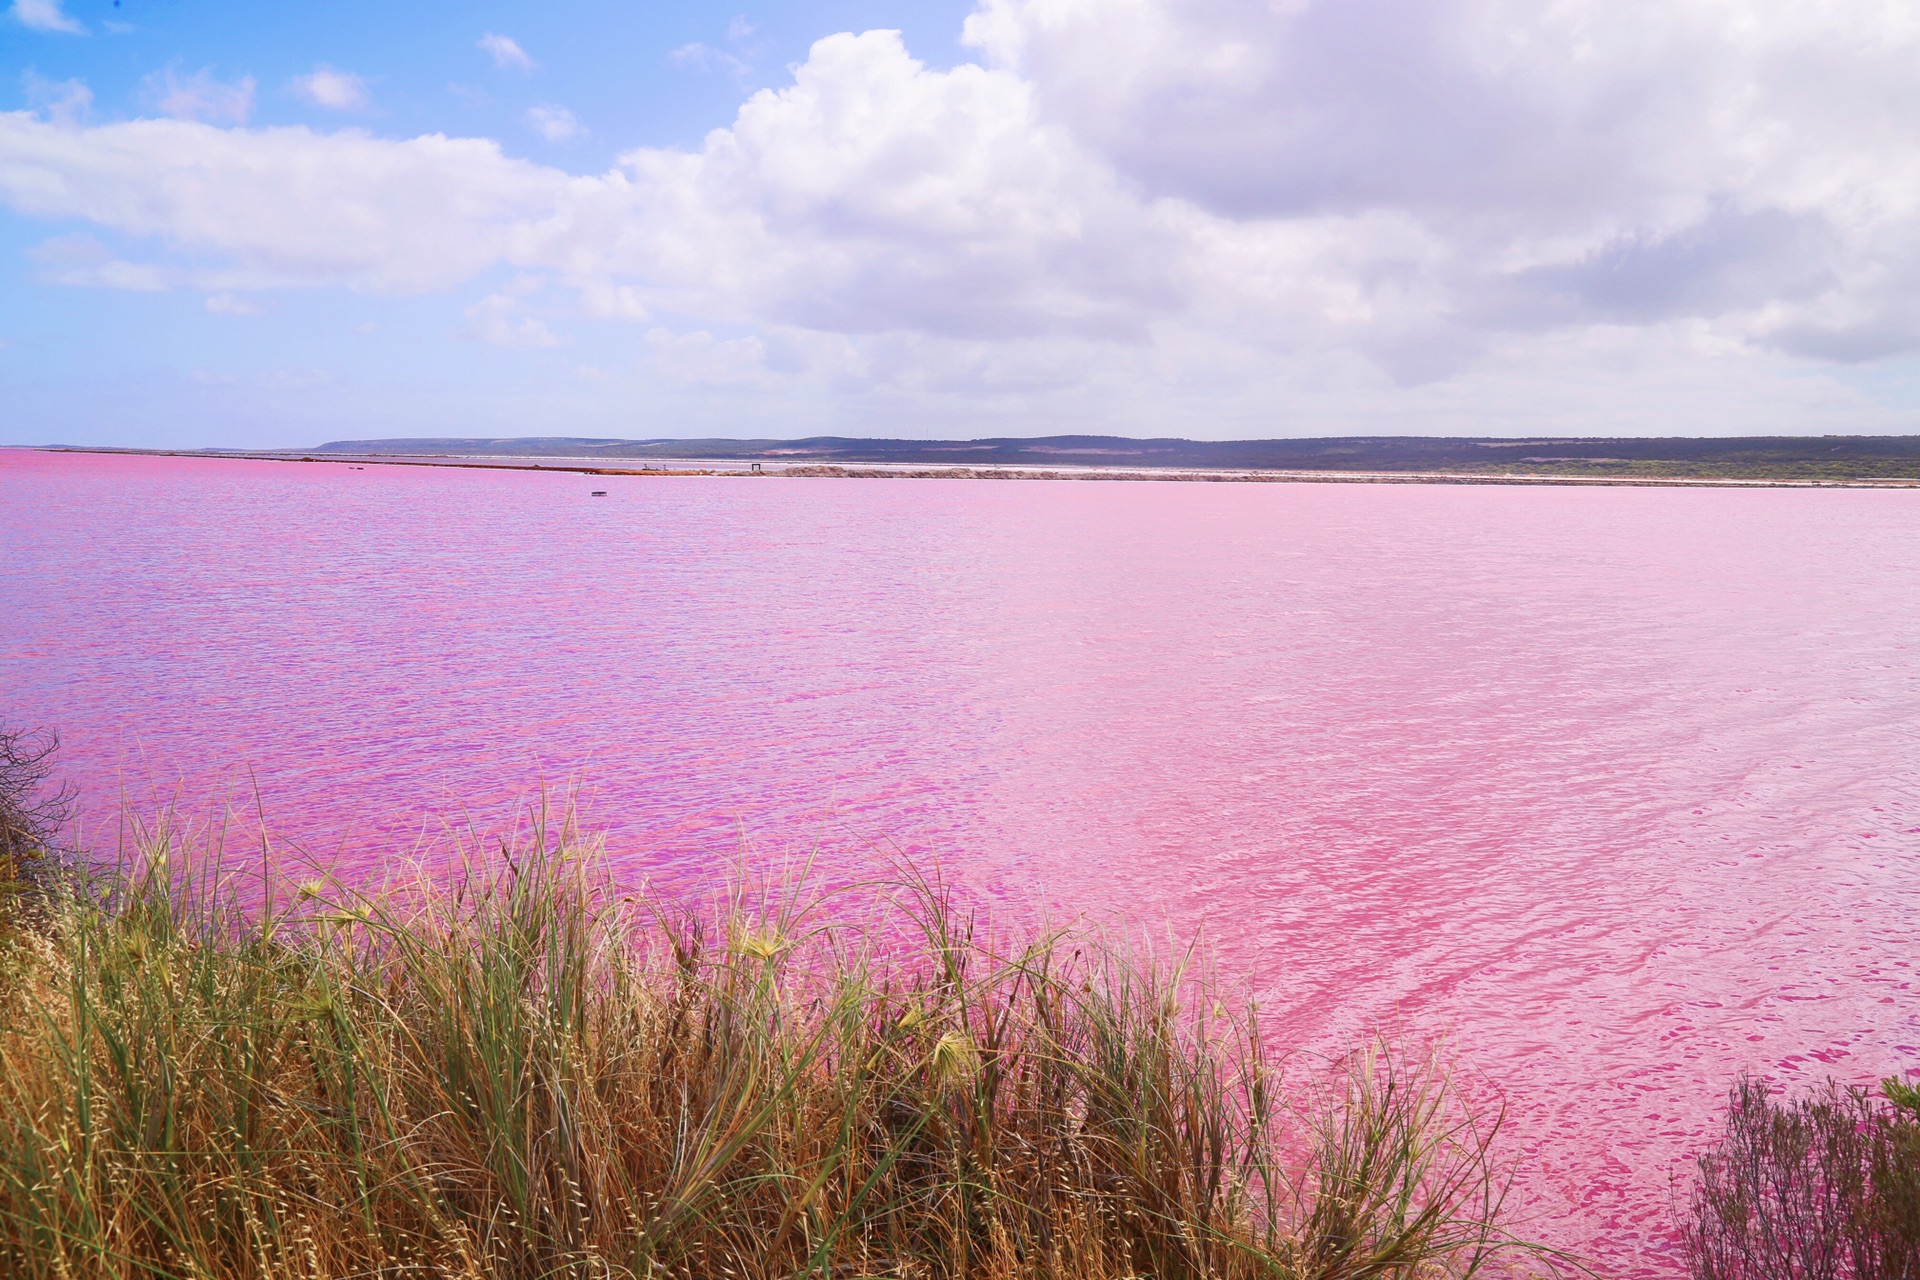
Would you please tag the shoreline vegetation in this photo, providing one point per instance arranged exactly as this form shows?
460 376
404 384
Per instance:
1761 462
517 1070
517 1067
1825 1185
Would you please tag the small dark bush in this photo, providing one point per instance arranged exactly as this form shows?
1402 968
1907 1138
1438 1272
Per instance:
1823 1187
31 817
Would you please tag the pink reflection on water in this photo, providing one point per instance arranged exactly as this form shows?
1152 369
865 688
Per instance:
1618 790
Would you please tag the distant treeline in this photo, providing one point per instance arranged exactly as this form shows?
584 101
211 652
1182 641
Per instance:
1811 457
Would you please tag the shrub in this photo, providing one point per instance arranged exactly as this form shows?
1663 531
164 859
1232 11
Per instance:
1823 1187
30 817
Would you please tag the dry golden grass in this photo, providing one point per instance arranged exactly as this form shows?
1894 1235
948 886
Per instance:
519 1073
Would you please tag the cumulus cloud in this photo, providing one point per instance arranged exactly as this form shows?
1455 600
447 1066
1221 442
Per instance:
232 304
874 193
1578 162
704 360
1228 204
737 56
336 90
46 15
705 56
284 206
200 96
500 320
555 124
506 53
604 300
67 102
82 261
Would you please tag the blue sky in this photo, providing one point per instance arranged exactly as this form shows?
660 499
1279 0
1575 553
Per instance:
1215 218
627 71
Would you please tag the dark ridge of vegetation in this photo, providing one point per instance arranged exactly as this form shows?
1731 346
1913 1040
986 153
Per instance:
1768 457
1822 1187
518 1071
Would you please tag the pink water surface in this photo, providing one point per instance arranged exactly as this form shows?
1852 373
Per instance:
1617 790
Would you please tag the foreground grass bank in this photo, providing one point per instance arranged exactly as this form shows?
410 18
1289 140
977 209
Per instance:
518 1073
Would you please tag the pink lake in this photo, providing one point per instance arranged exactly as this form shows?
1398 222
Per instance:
1615 790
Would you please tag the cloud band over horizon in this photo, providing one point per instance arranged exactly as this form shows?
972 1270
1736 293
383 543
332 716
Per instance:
1143 214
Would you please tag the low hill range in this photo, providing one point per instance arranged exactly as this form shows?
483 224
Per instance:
1749 457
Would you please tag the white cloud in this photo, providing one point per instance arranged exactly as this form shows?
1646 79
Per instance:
82 261
46 15
1579 162
285 206
499 319
738 59
705 360
1222 213
875 193
336 90
555 124
65 102
705 56
605 300
506 53
233 304
200 96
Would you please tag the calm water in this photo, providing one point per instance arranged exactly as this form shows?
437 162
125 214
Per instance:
1617 790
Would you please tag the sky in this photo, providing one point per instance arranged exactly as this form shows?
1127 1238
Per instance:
273 226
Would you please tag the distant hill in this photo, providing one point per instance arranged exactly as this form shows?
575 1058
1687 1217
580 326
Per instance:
1835 457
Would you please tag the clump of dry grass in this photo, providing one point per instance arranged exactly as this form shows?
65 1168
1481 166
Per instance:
521 1073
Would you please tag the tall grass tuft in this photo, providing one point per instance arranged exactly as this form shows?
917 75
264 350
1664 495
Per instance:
519 1072
1821 1187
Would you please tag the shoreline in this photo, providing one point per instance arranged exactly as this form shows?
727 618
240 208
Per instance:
909 471
516 1070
